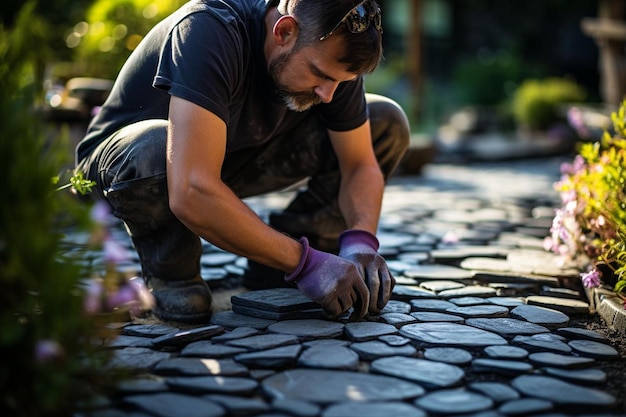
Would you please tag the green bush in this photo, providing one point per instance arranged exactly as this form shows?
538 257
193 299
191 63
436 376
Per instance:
49 361
536 102
590 227
113 29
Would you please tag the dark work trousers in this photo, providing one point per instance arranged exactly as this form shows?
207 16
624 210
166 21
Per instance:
130 172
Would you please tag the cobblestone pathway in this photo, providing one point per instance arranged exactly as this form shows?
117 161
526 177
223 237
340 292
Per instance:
482 322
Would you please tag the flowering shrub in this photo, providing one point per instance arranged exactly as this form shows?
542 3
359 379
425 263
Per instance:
51 367
590 227
113 291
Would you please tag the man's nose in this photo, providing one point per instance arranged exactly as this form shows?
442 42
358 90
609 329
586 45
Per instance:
326 90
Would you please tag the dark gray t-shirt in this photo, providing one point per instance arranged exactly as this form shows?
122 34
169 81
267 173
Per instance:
210 52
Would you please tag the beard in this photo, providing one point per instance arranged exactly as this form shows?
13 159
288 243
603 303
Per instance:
296 101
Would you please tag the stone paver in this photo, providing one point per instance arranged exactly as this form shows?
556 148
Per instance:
482 321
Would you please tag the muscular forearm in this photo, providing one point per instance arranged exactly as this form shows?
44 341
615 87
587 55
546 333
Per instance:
360 198
219 216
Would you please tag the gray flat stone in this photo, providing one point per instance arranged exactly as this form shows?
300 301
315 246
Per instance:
427 373
454 401
432 316
397 319
592 349
558 360
505 301
394 340
395 306
148 330
578 333
366 330
501 366
451 335
506 352
591 377
200 366
414 257
208 349
275 299
236 333
308 329
538 344
231 320
296 407
325 342
374 349
143 385
328 387
438 286
438 272
525 407
277 358
497 391
409 292
468 301
453 356
373 410
123 341
560 293
168 404
557 391
264 341
137 358
571 307
507 327
314 313
540 315
183 337
235 405
479 311
468 291
329 357
458 253
434 305
213 384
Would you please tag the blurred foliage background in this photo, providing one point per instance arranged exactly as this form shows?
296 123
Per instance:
472 52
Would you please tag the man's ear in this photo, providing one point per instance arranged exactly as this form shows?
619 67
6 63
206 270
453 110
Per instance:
285 30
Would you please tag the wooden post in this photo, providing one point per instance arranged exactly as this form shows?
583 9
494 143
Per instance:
609 32
414 56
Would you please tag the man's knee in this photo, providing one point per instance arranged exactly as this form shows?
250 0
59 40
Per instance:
390 131
135 152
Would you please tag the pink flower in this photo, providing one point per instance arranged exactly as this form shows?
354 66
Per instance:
591 279
101 212
94 292
450 238
114 252
134 295
47 351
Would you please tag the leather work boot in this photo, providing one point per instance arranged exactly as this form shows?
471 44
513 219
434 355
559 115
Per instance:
168 251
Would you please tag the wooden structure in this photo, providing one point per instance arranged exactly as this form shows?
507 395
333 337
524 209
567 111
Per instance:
609 31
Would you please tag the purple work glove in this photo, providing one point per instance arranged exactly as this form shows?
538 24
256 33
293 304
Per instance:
330 281
361 247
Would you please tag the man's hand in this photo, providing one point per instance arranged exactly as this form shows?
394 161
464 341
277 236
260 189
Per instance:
361 247
330 281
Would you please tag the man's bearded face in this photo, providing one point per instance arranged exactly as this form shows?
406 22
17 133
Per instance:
296 101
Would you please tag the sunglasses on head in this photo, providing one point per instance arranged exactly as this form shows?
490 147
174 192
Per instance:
359 18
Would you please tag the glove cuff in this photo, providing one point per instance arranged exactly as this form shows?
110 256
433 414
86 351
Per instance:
358 237
305 255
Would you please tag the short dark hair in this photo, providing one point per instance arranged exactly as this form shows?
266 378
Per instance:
362 51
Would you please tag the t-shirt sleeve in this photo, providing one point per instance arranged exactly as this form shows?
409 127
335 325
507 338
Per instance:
198 62
348 110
